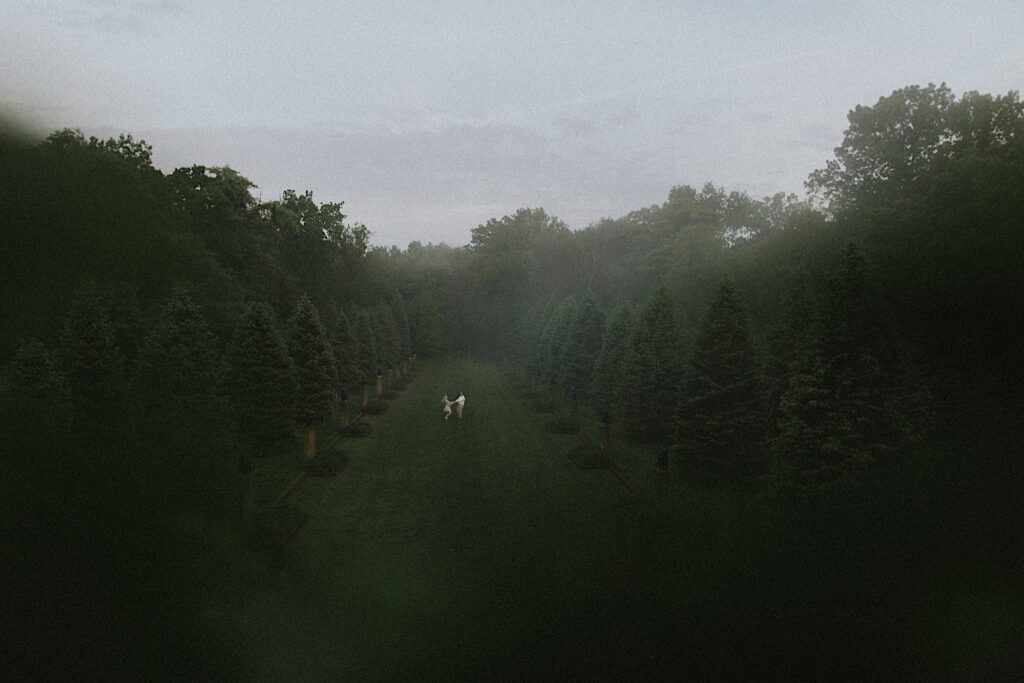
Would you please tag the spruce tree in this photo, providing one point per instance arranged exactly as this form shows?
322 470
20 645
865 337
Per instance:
402 321
367 361
555 340
580 353
93 367
609 381
315 372
653 372
181 410
33 413
346 358
720 428
833 419
261 385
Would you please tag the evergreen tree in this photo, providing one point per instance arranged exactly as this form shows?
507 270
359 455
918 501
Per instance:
390 338
720 429
609 383
346 358
367 361
833 423
94 371
402 323
555 340
653 372
179 406
580 353
33 418
315 372
261 385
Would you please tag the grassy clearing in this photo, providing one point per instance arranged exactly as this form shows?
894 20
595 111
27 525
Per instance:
474 549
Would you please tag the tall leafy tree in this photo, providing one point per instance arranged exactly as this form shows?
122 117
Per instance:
315 372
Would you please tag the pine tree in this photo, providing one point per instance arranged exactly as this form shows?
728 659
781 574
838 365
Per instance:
720 428
833 419
653 371
180 408
367 361
94 373
555 339
402 321
261 385
315 372
580 353
346 358
609 383
33 413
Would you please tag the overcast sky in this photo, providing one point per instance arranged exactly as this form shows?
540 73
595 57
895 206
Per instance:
429 118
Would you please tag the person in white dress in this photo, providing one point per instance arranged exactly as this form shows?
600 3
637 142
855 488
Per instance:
460 403
446 407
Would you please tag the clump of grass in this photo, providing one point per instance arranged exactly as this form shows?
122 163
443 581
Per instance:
562 425
327 464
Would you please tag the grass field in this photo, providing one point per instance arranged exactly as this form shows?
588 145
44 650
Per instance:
474 550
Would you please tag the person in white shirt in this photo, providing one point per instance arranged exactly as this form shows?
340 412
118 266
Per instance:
446 406
460 403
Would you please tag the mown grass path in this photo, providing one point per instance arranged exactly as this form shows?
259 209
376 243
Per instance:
451 549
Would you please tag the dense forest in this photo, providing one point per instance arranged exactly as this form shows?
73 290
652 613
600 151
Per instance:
851 357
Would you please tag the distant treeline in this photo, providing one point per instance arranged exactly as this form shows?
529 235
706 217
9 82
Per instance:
160 330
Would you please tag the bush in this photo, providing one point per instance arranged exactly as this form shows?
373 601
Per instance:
562 425
586 456
356 430
389 394
542 407
277 525
375 407
326 464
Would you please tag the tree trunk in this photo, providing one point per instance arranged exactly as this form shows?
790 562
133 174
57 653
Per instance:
605 437
343 413
366 396
574 409
309 446
380 385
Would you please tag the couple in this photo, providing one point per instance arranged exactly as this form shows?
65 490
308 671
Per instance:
446 405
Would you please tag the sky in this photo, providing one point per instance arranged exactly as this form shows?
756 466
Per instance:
429 118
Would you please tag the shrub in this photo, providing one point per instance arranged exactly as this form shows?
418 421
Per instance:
562 425
277 525
326 464
356 430
375 407
586 456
